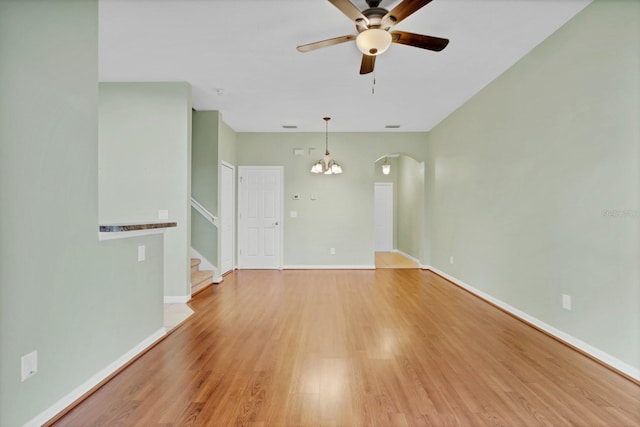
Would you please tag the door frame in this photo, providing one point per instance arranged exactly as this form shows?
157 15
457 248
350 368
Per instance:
240 234
231 218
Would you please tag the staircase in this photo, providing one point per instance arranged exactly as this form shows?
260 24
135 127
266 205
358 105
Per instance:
199 279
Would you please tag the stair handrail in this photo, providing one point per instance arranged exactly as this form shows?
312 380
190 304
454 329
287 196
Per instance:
204 212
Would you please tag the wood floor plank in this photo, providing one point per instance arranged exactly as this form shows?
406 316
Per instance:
392 347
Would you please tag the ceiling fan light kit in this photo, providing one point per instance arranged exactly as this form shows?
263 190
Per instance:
373 25
374 41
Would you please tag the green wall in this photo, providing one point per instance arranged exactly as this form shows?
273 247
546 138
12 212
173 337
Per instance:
204 173
145 165
523 178
227 147
79 302
204 182
227 139
341 217
214 142
411 220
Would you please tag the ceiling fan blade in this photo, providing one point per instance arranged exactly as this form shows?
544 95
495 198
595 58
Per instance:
401 11
349 9
325 43
368 62
418 40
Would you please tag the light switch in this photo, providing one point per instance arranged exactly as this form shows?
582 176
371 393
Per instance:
163 214
293 214
141 253
29 365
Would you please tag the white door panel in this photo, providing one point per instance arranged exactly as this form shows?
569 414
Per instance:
260 217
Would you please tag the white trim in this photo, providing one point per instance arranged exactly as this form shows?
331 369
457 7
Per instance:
329 267
204 212
79 391
206 265
233 220
604 357
227 164
177 299
112 235
406 255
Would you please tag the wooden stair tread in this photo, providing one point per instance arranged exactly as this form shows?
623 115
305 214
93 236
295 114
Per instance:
201 280
200 276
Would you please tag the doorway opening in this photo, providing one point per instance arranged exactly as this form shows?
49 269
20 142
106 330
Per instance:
398 211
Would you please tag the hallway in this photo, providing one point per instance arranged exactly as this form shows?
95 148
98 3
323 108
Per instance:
393 260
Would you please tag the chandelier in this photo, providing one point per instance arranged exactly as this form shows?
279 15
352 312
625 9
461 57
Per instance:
326 165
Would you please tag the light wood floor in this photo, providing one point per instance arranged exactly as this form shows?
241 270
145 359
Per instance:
357 348
393 260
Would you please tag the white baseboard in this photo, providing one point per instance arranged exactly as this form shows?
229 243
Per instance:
329 267
594 352
79 391
176 299
205 264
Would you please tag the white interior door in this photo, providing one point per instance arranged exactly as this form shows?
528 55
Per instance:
260 217
227 218
383 216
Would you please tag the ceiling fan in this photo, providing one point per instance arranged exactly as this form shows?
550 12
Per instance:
373 25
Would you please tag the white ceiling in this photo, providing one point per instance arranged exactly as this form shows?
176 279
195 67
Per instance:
240 57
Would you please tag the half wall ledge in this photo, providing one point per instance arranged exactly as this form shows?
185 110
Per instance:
122 231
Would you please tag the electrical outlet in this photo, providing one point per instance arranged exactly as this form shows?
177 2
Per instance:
29 365
566 302
142 253
451 260
332 251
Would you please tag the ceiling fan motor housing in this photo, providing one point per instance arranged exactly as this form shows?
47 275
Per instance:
374 16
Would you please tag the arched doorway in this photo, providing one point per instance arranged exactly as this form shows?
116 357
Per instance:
399 211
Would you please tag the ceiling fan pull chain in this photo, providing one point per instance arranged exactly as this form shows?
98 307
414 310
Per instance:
373 86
